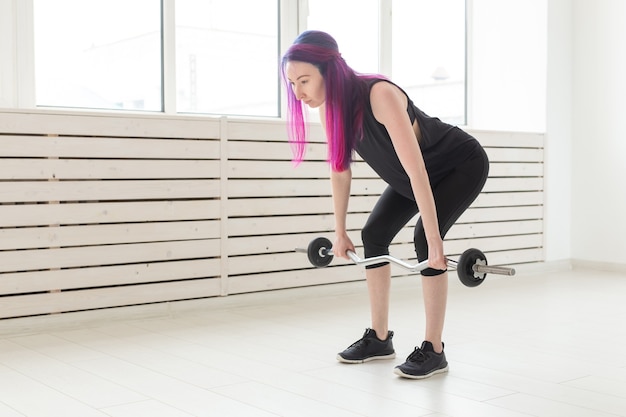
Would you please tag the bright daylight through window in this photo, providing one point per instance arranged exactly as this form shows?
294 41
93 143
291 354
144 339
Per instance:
427 47
109 54
98 54
428 55
226 57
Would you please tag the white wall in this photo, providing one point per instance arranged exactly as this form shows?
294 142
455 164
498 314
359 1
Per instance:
521 80
599 142
569 58
558 147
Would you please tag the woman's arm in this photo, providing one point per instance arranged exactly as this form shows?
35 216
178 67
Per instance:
340 182
389 106
340 185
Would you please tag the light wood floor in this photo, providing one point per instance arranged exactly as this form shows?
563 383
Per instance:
549 344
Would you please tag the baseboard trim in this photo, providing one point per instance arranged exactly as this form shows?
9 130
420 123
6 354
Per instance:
599 266
544 267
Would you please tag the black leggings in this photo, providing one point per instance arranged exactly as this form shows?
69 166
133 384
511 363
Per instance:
453 195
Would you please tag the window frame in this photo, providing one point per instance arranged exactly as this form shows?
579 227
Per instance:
17 74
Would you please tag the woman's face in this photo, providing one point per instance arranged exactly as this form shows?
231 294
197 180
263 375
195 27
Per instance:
306 82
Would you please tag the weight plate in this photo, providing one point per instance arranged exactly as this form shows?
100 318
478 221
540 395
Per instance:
465 270
318 252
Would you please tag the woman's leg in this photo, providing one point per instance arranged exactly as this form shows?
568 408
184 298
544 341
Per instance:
453 195
390 214
435 293
378 288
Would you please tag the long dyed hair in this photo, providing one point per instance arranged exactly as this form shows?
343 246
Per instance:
346 95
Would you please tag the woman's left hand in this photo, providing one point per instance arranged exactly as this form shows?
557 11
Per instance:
436 257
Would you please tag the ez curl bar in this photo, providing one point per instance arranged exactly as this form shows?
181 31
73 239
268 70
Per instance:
471 267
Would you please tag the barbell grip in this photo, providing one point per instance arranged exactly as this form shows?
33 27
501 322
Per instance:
418 267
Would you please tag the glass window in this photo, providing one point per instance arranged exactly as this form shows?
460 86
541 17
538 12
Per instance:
107 54
355 32
227 56
428 55
98 54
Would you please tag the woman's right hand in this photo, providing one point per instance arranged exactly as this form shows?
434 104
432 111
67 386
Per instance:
342 244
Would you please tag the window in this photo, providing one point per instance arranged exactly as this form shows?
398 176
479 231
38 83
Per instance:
427 46
356 33
98 54
226 57
428 55
222 56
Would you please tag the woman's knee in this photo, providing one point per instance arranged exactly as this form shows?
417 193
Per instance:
375 243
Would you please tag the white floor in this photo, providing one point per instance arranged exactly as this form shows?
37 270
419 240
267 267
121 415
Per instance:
532 345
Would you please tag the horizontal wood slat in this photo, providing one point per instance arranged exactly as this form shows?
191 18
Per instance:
68 301
43 191
16 215
105 276
71 169
305 187
99 211
44 122
90 235
295 278
74 257
500 139
102 147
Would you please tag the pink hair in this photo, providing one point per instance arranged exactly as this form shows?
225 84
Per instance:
346 95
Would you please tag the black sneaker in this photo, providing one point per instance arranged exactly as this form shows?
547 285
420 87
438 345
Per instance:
368 348
422 363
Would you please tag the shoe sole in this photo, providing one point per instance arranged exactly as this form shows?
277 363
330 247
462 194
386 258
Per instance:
399 372
371 358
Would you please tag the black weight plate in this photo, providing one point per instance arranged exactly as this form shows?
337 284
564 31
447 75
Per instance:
465 264
318 252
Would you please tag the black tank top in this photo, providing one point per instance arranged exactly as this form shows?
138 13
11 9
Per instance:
443 147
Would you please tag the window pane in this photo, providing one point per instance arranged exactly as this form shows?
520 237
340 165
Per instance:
428 55
227 57
357 36
98 54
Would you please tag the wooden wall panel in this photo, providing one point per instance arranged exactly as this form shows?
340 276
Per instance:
274 206
99 211
94 216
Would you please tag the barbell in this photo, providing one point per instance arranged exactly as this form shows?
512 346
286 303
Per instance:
471 267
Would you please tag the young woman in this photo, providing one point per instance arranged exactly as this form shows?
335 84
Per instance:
429 166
